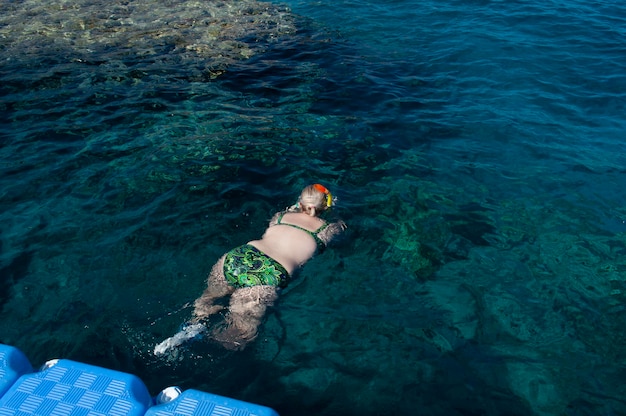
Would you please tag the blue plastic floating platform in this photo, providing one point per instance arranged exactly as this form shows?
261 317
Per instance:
13 363
69 388
194 402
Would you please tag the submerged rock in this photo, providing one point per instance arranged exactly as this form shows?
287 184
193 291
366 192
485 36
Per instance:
211 33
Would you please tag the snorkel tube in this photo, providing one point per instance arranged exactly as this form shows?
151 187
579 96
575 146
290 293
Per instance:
324 190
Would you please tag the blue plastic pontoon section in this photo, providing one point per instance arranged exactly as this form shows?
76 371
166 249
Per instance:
194 402
70 388
13 363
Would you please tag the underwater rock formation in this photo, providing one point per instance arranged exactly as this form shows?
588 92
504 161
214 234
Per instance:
208 33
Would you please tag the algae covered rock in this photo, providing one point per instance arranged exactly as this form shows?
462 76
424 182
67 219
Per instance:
209 33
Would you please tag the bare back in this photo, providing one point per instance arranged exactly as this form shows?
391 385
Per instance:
288 245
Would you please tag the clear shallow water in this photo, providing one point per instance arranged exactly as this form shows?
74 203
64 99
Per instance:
476 148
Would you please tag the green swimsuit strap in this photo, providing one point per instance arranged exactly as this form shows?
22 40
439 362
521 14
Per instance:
321 245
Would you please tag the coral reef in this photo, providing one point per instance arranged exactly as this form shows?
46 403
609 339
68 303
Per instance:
208 34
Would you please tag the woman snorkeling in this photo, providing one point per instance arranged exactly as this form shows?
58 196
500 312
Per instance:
254 273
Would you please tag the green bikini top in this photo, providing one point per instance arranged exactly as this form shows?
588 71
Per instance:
321 245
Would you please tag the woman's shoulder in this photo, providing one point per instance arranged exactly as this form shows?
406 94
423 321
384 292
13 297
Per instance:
285 217
277 217
302 220
290 215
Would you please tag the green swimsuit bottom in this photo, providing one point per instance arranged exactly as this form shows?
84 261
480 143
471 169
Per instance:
247 266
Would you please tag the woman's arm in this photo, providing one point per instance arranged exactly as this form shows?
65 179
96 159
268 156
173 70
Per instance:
330 232
274 219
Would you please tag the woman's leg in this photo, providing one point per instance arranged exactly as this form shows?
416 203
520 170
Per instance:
246 310
217 287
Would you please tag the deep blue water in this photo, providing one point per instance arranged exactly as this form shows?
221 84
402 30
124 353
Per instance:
477 151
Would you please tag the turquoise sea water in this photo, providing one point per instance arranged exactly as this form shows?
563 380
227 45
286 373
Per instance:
476 148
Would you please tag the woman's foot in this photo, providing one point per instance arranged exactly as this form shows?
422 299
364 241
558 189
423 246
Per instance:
188 332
